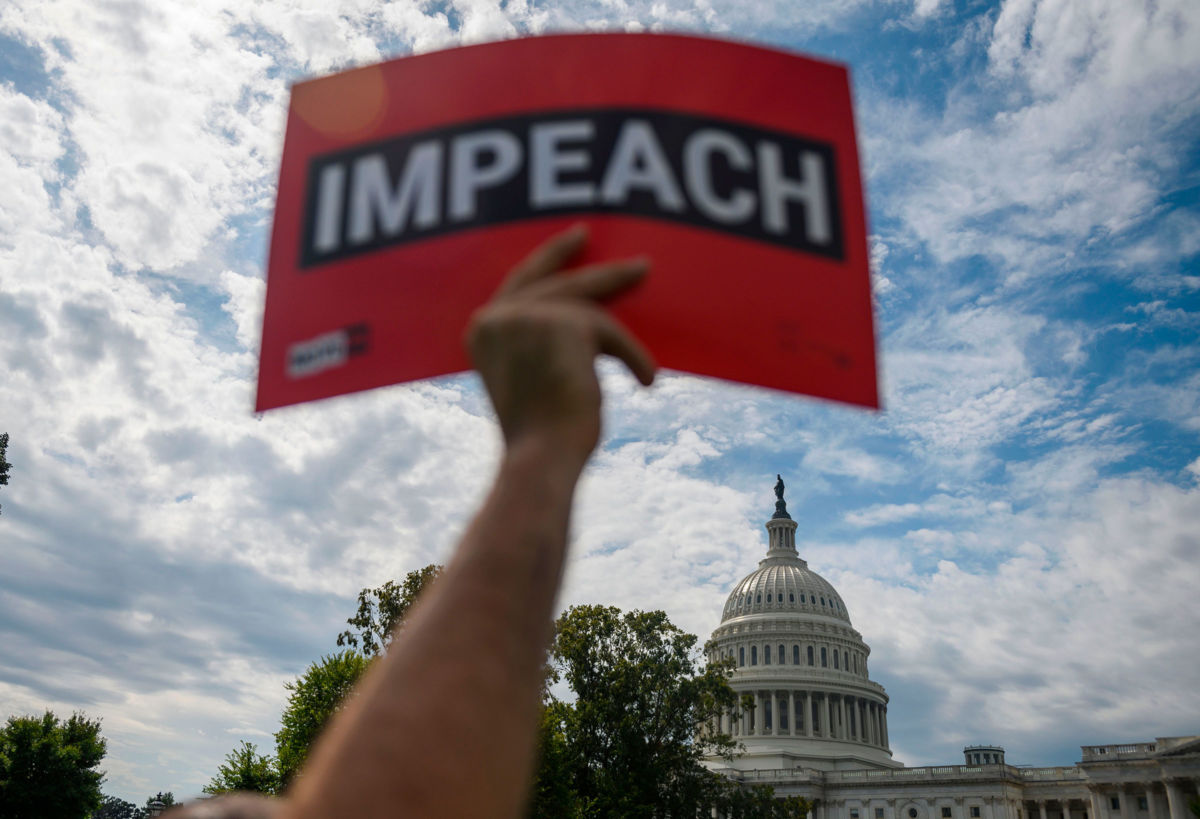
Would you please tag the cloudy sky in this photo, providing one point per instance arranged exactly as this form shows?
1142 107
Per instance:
1017 536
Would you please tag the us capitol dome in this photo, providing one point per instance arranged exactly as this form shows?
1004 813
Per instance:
802 664
812 723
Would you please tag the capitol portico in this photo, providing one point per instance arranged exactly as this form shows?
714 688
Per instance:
813 724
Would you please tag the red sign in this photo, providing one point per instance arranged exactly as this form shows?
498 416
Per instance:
408 190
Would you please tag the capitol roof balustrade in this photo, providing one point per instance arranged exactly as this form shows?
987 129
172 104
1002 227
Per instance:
928 773
1053 774
924 774
1104 753
789 775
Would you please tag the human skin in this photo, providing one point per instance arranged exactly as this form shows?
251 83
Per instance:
445 724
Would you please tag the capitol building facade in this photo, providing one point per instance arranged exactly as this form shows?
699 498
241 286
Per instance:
814 724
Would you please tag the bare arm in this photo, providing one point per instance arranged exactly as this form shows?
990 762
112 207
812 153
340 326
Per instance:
445 724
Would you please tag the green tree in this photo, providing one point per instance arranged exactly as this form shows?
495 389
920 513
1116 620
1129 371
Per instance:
553 795
48 767
636 733
381 610
112 807
4 464
632 741
315 696
318 693
760 802
245 769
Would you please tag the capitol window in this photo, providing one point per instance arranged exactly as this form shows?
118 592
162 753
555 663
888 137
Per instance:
1115 802
742 655
824 658
791 597
795 655
974 812
766 655
753 655
1142 805
782 656
781 597
945 813
758 598
835 661
853 813
878 813
810 655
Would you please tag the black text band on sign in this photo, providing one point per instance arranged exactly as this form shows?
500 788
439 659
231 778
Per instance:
731 177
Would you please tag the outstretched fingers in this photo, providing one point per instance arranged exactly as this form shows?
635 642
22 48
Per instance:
534 281
615 340
594 283
547 259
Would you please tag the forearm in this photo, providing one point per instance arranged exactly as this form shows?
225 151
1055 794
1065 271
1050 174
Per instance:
445 724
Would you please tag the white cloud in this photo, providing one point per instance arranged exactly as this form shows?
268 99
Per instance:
960 382
937 507
31 143
1049 639
245 305
1079 150
852 462
925 8
650 536
884 513
29 131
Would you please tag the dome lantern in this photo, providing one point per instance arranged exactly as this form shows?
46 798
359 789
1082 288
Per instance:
781 527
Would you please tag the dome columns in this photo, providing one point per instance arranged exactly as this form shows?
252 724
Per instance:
809 714
782 533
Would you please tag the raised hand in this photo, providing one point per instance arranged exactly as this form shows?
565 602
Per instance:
536 341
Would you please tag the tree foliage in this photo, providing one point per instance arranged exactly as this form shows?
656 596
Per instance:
245 769
629 744
318 693
760 802
381 610
632 741
315 697
113 807
48 767
553 794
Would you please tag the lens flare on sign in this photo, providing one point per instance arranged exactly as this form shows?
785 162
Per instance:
345 106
